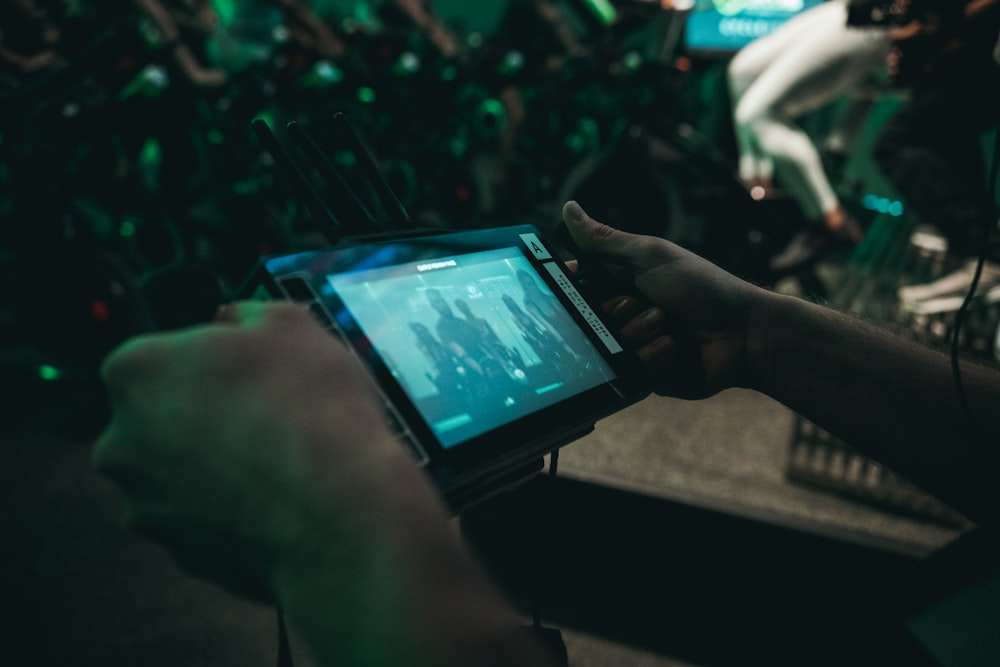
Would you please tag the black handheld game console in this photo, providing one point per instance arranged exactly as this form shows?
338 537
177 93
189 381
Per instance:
484 348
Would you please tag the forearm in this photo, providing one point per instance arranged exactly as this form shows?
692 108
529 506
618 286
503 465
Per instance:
414 596
893 399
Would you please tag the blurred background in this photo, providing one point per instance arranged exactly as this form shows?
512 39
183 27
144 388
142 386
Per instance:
132 185
126 147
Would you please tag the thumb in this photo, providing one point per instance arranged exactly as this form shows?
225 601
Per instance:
604 241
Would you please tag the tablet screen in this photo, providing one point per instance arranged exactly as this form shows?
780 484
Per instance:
476 340
486 354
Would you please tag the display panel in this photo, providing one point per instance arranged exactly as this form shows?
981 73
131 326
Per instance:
485 350
725 26
476 340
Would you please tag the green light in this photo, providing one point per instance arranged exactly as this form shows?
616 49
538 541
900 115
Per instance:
215 137
49 373
361 12
458 146
407 64
366 94
126 229
632 61
344 159
226 9
574 142
449 73
883 205
151 153
329 72
511 63
604 10
489 118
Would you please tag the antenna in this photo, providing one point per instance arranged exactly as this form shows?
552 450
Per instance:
328 222
341 190
398 215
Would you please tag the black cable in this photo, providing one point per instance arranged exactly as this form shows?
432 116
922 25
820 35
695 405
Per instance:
284 646
544 542
991 222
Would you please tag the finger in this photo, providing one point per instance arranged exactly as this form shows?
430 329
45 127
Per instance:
114 456
252 313
130 361
647 326
602 240
622 308
658 354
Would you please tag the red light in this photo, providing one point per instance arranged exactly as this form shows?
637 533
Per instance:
462 193
99 310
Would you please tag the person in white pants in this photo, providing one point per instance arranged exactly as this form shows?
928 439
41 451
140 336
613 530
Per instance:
802 65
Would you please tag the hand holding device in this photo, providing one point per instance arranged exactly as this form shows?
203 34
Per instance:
692 334
485 350
267 397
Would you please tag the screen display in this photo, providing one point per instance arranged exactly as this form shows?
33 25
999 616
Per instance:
476 340
729 25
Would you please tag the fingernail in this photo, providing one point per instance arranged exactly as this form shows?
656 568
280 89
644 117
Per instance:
575 211
621 307
652 316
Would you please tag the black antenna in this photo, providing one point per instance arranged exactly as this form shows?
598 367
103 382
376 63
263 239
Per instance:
341 190
398 215
328 222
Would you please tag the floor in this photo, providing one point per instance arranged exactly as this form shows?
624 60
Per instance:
733 453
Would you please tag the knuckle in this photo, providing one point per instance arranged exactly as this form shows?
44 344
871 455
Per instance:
129 360
106 456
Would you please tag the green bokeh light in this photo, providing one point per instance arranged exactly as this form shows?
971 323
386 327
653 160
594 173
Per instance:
49 373
126 229
603 9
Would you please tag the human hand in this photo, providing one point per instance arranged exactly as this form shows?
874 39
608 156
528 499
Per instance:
245 444
694 339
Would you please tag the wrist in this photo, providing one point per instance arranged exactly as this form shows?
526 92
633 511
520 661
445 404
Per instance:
763 324
346 581
386 580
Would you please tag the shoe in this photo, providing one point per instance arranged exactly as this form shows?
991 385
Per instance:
804 248
809 244
929 241
955 283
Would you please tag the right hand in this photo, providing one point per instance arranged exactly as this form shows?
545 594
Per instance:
694 339
245 443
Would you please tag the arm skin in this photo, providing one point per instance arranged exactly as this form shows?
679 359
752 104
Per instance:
893 399
253 449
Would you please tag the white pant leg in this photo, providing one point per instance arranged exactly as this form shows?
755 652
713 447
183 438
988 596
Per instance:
820 61
744 69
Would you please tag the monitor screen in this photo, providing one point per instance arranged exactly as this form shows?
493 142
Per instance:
725 26
476 340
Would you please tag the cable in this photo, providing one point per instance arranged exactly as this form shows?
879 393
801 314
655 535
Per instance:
551 638
284 646
544 543
991 222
